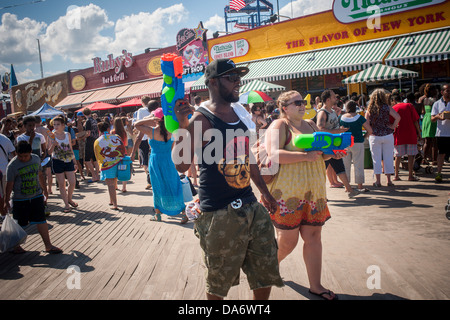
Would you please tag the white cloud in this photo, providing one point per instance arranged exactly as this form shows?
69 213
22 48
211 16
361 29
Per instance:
76 36
18 44
215 23
145 29
299 8
26 75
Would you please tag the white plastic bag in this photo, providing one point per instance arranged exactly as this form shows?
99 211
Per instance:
11 234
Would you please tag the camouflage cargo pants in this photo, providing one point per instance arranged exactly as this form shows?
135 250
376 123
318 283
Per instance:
232 239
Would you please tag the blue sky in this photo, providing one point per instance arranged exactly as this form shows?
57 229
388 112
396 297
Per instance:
69 39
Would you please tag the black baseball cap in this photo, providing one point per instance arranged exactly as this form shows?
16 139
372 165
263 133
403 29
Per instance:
220 67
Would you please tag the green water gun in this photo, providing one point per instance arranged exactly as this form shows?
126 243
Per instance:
328 143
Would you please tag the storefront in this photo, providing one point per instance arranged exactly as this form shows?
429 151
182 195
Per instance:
29 97
117 79
316 52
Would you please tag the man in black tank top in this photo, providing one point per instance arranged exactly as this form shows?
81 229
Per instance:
234 229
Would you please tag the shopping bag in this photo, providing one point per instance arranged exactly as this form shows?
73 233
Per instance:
11 234
187 193
124 169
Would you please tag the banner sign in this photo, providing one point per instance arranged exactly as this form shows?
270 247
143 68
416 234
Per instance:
324 29
230 50
192 46
348 11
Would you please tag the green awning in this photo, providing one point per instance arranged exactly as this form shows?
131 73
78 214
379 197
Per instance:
420 48
312 63
380 72
259 85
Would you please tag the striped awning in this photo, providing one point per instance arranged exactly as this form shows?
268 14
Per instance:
259 85
420 48
151 88
380 72
108 95
73 100
318 62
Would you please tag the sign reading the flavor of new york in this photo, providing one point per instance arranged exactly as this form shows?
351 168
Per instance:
232 49
348 11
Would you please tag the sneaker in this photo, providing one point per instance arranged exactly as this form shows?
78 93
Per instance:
438 177
353 193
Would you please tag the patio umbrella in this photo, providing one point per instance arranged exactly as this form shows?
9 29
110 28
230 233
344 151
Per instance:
254 97
98 106
136 102
263 86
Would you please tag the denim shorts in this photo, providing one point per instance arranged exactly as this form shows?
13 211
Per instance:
232 239
59 166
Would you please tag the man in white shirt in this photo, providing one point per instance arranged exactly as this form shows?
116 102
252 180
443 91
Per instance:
440 113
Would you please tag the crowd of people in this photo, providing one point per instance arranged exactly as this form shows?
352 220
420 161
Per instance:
236 230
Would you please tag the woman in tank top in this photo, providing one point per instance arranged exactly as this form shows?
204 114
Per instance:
63 162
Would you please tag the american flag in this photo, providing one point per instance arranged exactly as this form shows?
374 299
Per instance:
237 4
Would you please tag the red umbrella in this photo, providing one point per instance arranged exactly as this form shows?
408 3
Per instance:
136 102
97 106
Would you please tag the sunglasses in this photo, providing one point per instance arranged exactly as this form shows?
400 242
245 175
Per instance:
299 103
232 77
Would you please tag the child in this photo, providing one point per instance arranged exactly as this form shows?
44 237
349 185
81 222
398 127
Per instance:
25 180
109 150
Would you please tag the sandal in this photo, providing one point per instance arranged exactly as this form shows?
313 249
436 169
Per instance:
184 219
54 250
378 185
157 217
414 178
322 295
390 184
73 204
67 210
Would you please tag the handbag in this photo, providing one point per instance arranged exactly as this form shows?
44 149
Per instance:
11 234
267 169
186 186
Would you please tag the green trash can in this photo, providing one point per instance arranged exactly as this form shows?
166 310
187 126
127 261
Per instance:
368 164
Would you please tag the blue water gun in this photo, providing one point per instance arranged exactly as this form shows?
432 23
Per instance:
328 143
173 88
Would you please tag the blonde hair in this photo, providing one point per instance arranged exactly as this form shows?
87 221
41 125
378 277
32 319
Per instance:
378 98
283 100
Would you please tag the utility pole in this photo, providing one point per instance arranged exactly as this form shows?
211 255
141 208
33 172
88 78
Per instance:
40 58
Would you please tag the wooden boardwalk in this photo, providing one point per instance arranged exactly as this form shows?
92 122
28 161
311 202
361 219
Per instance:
397 237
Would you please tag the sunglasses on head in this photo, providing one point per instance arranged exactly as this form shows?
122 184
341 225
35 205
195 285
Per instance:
232 77
299 102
